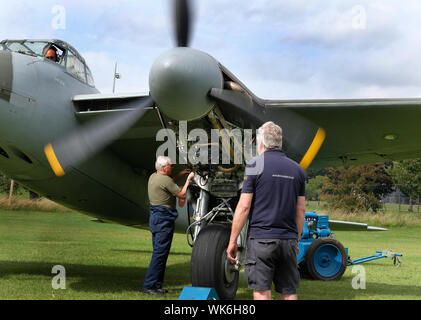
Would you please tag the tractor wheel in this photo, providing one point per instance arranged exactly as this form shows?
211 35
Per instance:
326 259
210 266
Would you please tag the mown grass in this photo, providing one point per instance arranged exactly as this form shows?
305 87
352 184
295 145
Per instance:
107 261
387 219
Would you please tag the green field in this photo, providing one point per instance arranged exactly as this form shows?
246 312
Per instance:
106 261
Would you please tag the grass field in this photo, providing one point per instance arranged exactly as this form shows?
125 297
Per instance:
106 261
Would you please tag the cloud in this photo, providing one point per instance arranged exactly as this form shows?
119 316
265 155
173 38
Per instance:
134 78
290 49
317 46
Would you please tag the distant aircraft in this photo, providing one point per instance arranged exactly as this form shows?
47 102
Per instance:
102 147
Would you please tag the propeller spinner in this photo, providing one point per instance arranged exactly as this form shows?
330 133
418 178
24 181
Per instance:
180 80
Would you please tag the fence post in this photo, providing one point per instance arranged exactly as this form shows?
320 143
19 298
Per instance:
12 183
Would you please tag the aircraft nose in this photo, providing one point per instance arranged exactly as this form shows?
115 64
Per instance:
180 80
6 75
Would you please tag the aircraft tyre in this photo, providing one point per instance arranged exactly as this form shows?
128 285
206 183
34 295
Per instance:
210 266
326 259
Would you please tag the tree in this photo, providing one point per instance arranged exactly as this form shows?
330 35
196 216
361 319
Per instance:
357 188
312 173
314 187
406 176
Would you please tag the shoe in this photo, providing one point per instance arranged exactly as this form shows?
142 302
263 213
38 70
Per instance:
154 291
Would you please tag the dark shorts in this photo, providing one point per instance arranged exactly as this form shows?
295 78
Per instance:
272 260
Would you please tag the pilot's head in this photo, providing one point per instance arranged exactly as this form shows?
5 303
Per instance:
51 54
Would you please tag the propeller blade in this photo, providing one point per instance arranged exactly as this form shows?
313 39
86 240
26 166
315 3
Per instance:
302 138
239 108
182 20
85 142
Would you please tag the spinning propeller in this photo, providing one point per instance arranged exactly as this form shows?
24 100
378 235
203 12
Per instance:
185 84
177 88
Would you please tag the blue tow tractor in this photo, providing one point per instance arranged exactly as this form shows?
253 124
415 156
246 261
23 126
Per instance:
323 257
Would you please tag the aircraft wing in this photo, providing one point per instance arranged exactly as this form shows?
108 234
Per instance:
361 131
337 225
138 145
357 131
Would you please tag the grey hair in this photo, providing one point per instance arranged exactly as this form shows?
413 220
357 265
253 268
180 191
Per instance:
271 135
162 161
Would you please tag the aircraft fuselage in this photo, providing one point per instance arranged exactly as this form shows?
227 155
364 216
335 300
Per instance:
36 107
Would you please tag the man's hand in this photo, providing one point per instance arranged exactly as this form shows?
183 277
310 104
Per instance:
232 252
182 193
191 176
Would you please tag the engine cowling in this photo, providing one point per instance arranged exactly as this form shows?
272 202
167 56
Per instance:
180 80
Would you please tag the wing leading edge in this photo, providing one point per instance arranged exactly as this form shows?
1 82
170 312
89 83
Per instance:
138 145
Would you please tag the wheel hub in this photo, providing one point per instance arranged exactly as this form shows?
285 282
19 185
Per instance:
328 260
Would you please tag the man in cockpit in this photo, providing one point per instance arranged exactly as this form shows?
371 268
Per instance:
51 54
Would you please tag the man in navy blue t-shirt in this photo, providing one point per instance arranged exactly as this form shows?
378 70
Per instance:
273 198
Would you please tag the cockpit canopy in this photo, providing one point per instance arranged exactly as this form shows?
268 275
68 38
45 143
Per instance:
66 55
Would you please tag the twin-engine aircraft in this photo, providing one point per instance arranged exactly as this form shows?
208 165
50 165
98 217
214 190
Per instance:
94 152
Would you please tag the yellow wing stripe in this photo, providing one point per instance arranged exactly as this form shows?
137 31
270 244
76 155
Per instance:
315 146
52 159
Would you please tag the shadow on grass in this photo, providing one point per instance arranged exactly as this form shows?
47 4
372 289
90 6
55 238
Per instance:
98 278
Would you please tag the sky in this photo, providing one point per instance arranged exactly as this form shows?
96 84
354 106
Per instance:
280 49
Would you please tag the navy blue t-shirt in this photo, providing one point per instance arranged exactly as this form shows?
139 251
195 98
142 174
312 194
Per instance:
276 181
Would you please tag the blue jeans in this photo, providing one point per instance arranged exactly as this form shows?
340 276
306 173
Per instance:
161 224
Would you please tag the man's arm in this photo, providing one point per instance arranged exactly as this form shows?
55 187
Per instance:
182 193
300 212
181 174
240 218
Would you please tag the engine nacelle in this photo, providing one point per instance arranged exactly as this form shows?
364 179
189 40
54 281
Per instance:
180 80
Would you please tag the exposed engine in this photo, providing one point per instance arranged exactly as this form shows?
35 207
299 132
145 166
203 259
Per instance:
217 157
